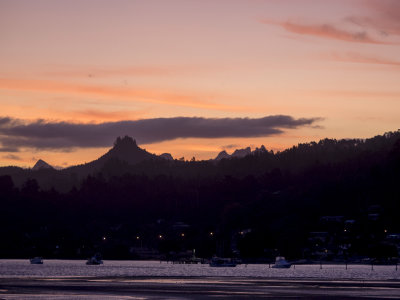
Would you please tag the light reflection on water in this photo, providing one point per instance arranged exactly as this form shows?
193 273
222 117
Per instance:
76 268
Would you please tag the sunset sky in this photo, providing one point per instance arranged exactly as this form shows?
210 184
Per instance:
193 77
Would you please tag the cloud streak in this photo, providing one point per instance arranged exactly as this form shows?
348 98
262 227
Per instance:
343 94
327 31
112 72
361 58
156 96
12 157
102 115
41 134
130 71
385 16
9 149
380 25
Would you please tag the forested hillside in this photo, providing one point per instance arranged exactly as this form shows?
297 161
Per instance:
254 207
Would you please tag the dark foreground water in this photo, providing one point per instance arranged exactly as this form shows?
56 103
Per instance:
67 279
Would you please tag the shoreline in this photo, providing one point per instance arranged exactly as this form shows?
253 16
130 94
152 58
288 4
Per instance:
195 287
294 262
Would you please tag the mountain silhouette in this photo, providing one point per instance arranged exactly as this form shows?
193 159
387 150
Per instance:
287 196
41 164
124 152
240 153
126 157
125 149
223 154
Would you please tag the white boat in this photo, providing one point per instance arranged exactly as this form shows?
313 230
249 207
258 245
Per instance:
36 260
222 262
281 263
95 260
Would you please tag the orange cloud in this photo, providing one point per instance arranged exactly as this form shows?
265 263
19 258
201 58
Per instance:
101 115
361 58
105 72
127 71
141 95
356 94
326 31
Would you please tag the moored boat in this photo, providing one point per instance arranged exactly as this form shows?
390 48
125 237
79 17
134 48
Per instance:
281 263
95 260
222 262
36 260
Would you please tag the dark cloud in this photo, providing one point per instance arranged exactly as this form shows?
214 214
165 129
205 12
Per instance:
43 134
12 157
8 149
384 16
5 120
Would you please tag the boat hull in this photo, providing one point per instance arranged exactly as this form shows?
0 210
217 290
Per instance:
230 265
223 262
282 266
281 263
36 261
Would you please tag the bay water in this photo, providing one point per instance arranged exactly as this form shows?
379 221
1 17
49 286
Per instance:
78 268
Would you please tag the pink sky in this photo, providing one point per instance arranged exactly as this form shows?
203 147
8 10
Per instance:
108 61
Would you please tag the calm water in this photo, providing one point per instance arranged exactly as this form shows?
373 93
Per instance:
74 268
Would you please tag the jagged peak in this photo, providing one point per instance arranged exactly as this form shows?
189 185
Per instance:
41 164
241 152
126 149
223 154
125 141
260 150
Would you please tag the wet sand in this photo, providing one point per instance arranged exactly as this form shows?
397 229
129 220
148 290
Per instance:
194 288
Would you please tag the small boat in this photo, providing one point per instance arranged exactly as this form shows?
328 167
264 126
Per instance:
222 262
95 260
281 263
36 260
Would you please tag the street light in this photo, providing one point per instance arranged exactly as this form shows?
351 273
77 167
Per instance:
141 241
